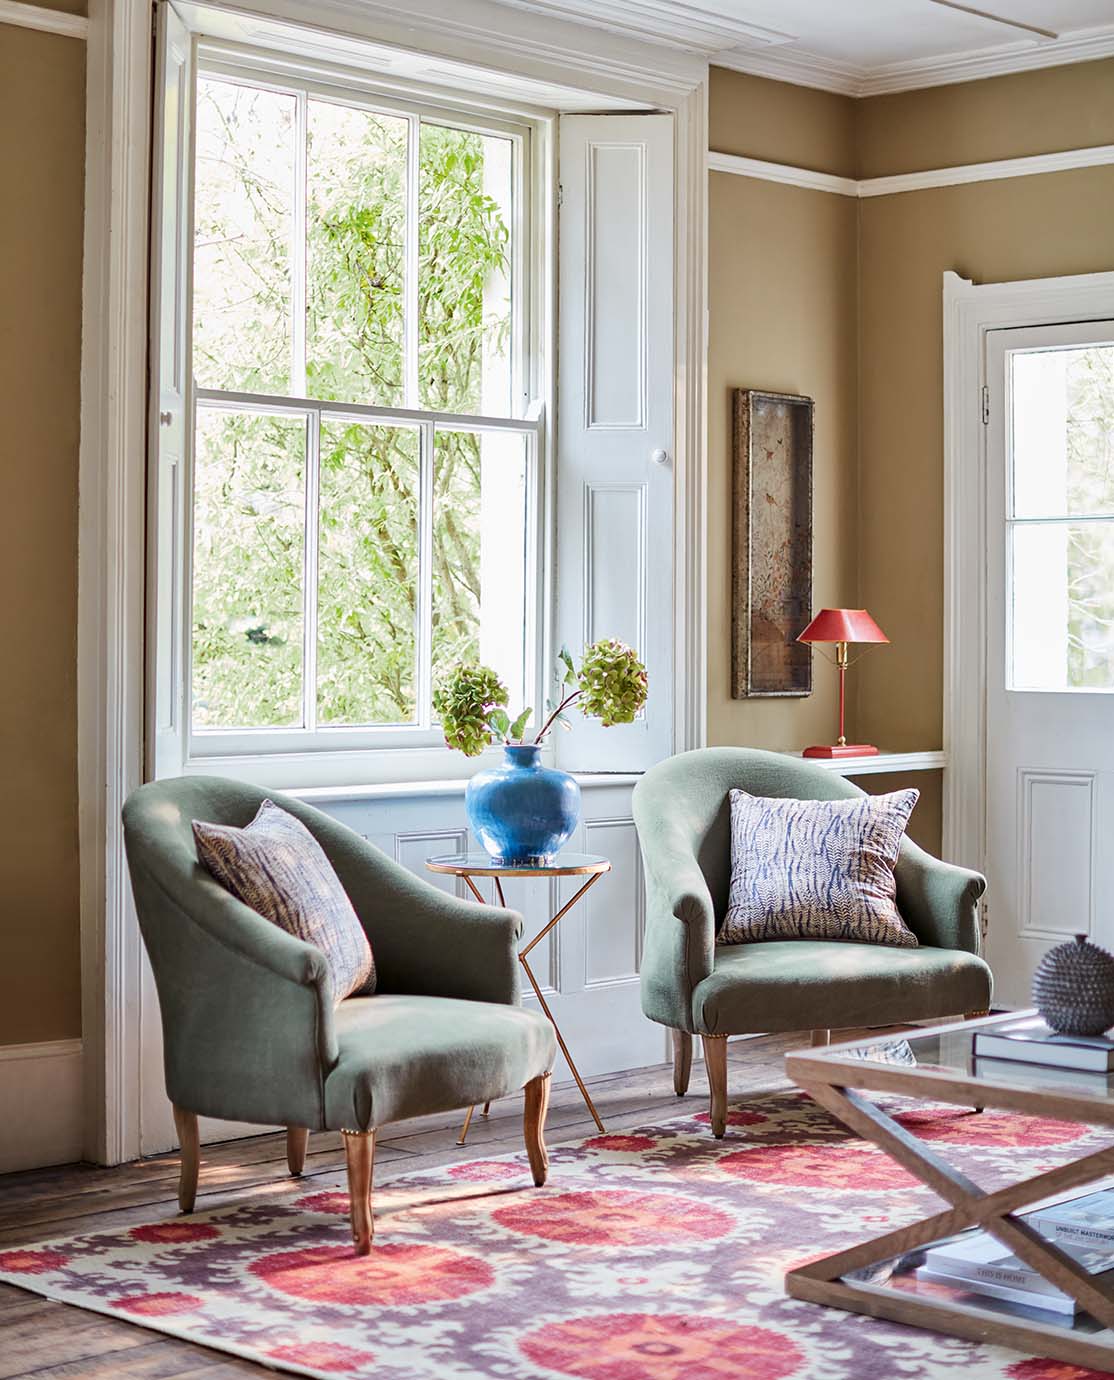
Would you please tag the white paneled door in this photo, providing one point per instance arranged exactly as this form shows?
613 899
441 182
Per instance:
1050 644
614 574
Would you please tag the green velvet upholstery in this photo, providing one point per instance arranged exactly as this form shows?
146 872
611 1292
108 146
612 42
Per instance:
682 812
249 1029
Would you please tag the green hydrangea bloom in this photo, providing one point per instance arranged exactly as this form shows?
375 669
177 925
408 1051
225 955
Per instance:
465 701
612 682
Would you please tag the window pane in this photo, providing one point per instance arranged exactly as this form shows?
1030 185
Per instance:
464 271
1063 606
356 254
367 586
479 555
248 548
1063 431
243 222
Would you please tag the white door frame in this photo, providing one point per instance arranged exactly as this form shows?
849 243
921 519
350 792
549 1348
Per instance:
970 311
114 427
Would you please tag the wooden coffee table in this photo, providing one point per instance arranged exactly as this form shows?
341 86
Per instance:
937 1065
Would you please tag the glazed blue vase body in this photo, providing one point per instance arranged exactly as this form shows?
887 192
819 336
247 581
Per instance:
522 813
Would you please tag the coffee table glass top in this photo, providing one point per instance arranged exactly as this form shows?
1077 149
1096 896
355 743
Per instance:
480 865
946 1055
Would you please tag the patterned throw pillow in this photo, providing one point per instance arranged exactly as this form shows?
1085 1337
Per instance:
816 869
278 868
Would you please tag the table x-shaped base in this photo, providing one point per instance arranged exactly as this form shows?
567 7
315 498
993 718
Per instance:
524 959
826 1281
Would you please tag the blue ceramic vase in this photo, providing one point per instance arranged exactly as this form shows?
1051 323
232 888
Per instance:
522 813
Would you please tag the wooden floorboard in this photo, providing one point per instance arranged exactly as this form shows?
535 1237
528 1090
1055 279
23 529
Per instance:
54 1341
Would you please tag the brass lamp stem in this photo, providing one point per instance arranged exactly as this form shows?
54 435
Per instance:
841 663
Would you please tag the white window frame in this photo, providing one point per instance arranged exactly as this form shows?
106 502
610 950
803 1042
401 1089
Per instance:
315 755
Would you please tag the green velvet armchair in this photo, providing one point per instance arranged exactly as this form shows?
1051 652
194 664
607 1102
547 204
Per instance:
682 814
249 1027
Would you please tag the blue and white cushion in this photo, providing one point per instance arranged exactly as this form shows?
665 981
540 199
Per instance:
276 866
816 869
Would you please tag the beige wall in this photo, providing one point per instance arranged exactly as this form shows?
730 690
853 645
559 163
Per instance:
42 107
756 118
1030 227
978 121
783 317
841 299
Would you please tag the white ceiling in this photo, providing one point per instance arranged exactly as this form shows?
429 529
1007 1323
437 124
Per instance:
862 47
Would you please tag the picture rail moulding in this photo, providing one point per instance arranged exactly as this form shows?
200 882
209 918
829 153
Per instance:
1033 165
44 20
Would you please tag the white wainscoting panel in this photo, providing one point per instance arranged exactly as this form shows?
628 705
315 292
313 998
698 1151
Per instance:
614 910
412 850
1056 863
41 1104
615 345
615 562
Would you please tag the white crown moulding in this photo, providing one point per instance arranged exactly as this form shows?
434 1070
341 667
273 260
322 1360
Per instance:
803 68
1100 156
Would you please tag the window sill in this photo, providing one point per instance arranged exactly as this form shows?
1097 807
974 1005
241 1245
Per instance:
395 790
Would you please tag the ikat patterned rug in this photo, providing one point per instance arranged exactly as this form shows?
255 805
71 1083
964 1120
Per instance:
652 1255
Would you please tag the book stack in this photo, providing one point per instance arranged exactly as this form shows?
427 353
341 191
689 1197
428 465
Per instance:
1029 1041
976 1263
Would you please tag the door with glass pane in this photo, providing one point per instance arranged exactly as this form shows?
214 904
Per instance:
1050 644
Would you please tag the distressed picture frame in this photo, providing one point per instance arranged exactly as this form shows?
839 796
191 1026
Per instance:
771 567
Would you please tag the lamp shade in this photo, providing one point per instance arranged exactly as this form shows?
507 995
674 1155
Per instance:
843 625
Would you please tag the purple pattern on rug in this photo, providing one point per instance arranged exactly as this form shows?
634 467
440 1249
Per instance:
656 1254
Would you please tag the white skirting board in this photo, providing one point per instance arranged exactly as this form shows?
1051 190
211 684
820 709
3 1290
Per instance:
40 1104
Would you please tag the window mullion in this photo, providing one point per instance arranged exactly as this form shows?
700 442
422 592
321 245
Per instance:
410 305
309 567
425 576
299 246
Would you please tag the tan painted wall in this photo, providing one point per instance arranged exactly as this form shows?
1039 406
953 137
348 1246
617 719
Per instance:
1031 227
42 111
978 121
783 317
756 118
841 299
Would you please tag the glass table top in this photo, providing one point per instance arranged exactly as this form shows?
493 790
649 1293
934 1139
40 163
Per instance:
952 1053
481 865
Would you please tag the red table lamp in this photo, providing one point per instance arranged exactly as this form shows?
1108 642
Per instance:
842 626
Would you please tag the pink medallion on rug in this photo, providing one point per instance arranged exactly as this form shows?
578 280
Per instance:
650 1255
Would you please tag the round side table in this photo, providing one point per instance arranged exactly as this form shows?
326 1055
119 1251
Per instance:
471 865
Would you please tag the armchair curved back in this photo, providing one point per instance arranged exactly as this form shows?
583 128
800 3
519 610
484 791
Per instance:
246 1008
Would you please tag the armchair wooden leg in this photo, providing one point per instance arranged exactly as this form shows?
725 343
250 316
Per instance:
715 1060
297 1138
359 1154
820 1037
533 1127
185 1123
682 1061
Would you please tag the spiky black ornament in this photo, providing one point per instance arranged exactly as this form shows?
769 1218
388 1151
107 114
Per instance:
1073 988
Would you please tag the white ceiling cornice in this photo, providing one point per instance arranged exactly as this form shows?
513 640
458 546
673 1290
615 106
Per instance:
809 69
1082 46
762 52
684 26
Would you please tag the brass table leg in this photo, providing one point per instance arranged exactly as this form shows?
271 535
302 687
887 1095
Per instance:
522 958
